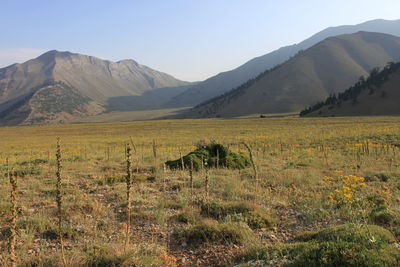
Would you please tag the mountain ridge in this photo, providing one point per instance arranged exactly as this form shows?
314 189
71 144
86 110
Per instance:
90 77
310 76
228 80
378 94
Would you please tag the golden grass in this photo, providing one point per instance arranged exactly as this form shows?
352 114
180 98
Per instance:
292 156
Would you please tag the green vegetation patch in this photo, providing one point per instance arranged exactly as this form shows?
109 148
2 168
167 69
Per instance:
101 255
32 162
68 232
383 177
26 171
219 210
220 233
362 234
59 97
252 216
258 220
146 255
344 245
381 215
209 156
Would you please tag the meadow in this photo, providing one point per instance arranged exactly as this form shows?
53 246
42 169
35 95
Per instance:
327 193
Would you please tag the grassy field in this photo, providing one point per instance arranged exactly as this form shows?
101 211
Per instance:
327 194
126 116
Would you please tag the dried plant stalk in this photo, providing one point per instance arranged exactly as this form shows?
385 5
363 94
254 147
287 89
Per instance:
182 162
155 163
59 200
128 192
255 173
206 185
191 175
137 159
13 224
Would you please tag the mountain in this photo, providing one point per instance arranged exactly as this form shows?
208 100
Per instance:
379 94
309 77
88 84
226 81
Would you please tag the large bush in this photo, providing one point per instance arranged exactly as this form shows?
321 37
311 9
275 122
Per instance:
345 245
210 156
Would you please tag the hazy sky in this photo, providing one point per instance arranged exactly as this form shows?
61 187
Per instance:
190 39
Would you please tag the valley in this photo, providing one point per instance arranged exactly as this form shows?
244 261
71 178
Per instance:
170 224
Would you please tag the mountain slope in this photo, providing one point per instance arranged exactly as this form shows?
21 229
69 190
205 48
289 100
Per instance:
307 78
226 81
84 77
379 94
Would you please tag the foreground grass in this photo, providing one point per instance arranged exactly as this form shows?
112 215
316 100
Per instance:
304 168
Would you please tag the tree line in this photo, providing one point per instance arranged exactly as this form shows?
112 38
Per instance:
376 78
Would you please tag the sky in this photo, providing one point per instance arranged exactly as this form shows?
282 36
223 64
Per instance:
189 39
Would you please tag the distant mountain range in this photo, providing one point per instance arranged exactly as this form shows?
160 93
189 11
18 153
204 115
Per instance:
59 86
229 80
379 94
327 67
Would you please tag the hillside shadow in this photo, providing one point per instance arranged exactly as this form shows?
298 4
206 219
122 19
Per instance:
154 99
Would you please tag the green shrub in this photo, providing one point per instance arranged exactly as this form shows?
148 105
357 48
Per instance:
361 234
258 220
342 253
225 233
382 217
210 155
255 218
345 245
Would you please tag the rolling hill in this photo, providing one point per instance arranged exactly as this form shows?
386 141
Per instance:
379 94
224 82
84 85
309 77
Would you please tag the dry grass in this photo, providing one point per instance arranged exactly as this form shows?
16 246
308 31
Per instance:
292 156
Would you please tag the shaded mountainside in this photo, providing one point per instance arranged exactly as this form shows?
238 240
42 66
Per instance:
149 100
53 103
309 77
100 82
224 82
379 94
